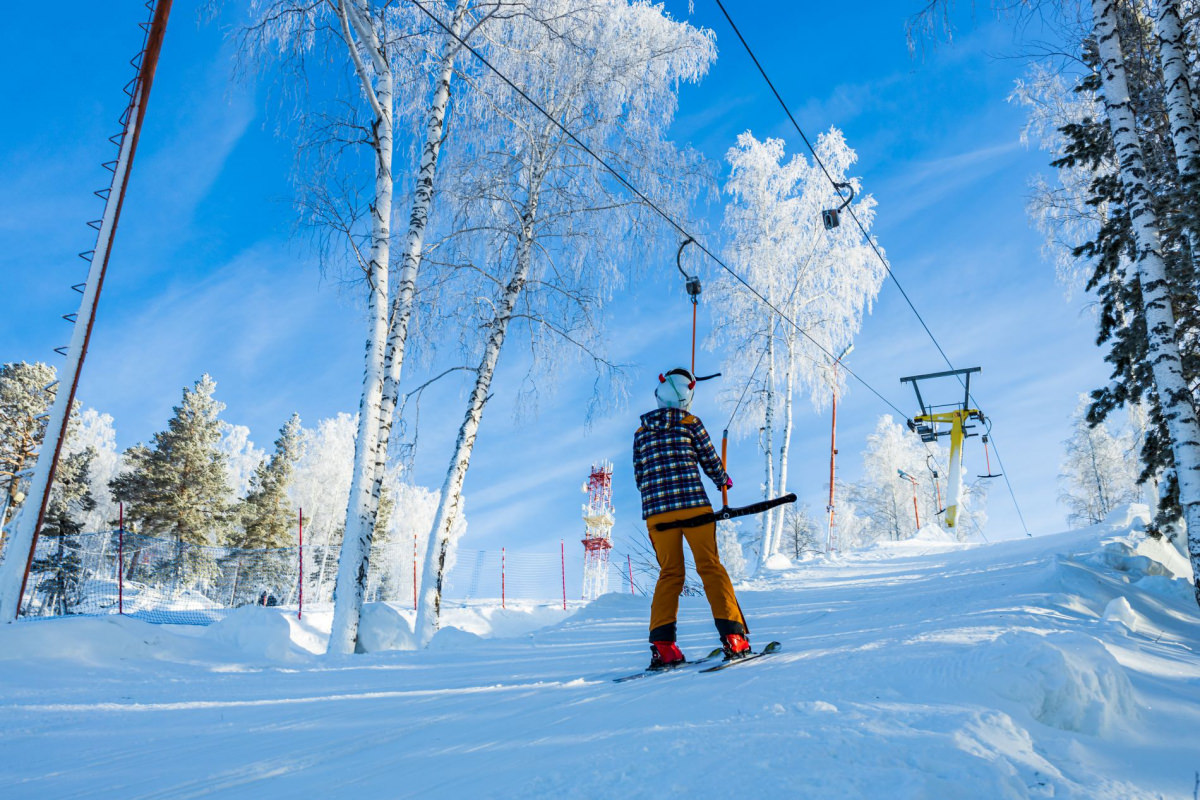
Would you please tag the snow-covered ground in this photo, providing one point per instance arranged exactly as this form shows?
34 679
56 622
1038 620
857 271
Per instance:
1062 666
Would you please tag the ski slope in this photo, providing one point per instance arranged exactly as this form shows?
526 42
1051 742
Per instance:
1061 666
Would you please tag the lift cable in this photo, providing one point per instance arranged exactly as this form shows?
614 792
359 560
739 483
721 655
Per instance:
650 203
867 237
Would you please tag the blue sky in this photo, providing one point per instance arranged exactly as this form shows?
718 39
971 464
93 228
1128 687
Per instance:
207 274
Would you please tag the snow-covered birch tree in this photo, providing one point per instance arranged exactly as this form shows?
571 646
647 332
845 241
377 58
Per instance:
1180 97
883 498
395 53
1099 470
320 489
1177 403
538 221
823 281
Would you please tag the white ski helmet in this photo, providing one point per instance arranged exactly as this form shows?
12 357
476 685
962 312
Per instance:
674 389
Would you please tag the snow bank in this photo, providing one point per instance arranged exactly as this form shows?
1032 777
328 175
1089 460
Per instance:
88 640
1065 680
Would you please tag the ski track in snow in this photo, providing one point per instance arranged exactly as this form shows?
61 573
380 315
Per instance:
911 671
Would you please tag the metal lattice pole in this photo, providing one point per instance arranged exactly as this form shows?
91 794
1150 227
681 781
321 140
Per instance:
14 572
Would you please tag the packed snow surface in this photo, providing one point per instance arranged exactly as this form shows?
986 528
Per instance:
1061 666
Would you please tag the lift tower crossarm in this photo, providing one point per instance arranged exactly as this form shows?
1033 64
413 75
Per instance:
966 373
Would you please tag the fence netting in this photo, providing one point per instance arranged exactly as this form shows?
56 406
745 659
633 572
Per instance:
171 581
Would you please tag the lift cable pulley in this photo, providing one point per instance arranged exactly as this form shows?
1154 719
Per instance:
832 216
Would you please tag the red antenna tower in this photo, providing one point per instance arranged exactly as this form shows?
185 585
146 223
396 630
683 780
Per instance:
597 540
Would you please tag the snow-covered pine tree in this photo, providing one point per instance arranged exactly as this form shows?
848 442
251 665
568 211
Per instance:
1097 473
548 227
824 281
1144 269
25 394
1088 235
59 572
178 487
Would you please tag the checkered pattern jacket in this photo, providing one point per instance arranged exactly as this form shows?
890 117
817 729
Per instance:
666 451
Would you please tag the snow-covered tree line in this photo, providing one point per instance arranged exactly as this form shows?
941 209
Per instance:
1119 121
203 484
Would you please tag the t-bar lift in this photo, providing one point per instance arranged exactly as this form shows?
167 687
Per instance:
933 423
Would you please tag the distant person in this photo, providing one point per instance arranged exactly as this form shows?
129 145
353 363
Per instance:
667 450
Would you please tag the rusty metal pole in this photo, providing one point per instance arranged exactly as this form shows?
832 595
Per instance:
26 533
832 459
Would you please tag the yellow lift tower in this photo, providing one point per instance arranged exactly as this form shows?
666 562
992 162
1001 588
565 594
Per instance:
936 421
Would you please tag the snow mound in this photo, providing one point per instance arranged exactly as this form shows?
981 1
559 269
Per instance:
1122 557
381 627
778 562
1119 612
258 632
1132 516
1168 555
451 639
1065 680
931 532
1178 590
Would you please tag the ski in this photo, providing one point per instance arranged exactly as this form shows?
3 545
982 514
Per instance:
773 647
685 665
728 513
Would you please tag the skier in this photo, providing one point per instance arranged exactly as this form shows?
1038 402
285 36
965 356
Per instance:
666 451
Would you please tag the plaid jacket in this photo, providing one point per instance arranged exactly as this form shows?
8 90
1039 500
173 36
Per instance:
666 451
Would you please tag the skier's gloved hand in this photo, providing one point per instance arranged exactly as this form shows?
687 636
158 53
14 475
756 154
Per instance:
728 482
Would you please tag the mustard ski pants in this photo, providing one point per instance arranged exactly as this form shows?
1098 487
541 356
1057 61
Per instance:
668 547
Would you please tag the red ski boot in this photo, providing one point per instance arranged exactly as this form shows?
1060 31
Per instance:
664 655
735 646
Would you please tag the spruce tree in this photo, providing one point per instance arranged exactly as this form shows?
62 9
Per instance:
177 488
58 569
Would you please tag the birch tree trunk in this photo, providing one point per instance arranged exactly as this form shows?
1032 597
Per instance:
1185 137
440 538
360 510
768 529
418 220
1151 271
785 445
